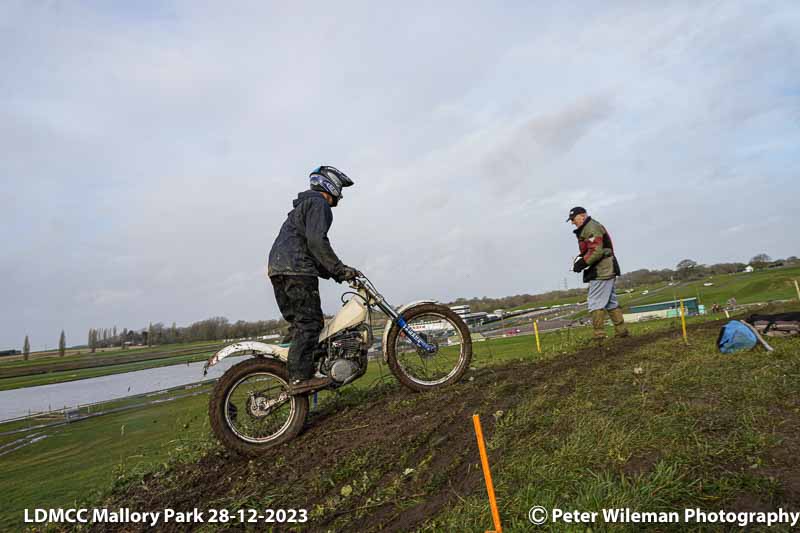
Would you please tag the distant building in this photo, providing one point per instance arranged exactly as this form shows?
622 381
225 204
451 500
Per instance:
460 310
668 309
473 319
749 268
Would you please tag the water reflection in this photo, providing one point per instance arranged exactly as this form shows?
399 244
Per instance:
20 402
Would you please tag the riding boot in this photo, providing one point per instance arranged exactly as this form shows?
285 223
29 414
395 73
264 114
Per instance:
620 329
598 325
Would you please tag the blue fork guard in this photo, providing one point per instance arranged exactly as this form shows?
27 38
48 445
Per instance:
414 336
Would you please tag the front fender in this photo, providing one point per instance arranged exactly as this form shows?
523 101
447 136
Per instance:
260 348
390 324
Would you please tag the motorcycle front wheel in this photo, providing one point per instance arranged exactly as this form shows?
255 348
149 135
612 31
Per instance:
420 370
250 410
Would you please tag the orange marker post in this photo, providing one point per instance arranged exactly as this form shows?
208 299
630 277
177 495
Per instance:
487 475
536 331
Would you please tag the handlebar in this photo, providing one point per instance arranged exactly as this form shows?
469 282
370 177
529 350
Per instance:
362 282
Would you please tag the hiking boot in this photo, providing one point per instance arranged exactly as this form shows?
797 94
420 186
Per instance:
620 329
599 326
306 386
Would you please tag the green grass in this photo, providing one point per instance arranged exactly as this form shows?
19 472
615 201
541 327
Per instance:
760 286
692 428
85 458
669 427
88 456
15 429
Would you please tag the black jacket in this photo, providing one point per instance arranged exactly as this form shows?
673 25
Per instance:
302 247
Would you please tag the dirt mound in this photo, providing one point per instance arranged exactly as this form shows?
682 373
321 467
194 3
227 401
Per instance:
386 461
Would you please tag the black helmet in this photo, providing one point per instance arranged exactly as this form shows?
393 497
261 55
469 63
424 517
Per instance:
330 180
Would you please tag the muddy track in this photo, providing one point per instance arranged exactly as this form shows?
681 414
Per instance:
387 464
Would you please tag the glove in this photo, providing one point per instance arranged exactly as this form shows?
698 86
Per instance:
579 264
346 273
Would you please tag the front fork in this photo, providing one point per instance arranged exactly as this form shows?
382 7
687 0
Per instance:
415 337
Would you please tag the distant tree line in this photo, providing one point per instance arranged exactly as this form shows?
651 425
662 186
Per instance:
211 329
685 270
691 270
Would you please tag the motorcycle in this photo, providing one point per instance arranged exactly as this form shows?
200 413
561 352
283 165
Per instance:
425 344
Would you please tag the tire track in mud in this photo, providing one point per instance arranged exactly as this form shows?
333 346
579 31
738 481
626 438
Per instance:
388 464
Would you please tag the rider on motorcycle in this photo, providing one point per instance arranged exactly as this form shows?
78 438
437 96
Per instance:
300 254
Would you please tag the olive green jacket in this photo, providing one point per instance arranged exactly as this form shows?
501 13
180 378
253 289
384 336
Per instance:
597 249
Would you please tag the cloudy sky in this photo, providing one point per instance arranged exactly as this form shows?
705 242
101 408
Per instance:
151 150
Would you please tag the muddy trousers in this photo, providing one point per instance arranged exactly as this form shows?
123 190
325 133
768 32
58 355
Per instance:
298 300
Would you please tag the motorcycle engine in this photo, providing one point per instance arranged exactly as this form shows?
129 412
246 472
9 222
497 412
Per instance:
343 369
346 356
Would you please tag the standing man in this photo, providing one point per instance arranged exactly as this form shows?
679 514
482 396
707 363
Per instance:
300 254
600 270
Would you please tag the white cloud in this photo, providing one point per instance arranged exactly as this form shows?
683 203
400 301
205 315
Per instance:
152 152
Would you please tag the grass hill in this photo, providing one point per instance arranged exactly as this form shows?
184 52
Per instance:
760 286
647 423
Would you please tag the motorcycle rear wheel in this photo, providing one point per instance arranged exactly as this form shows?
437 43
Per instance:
421 371
243 419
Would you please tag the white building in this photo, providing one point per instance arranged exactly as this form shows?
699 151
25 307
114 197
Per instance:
460 310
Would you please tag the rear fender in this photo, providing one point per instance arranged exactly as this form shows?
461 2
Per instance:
260 348
400 311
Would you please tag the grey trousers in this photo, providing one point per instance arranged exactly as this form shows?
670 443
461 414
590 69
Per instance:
602 294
